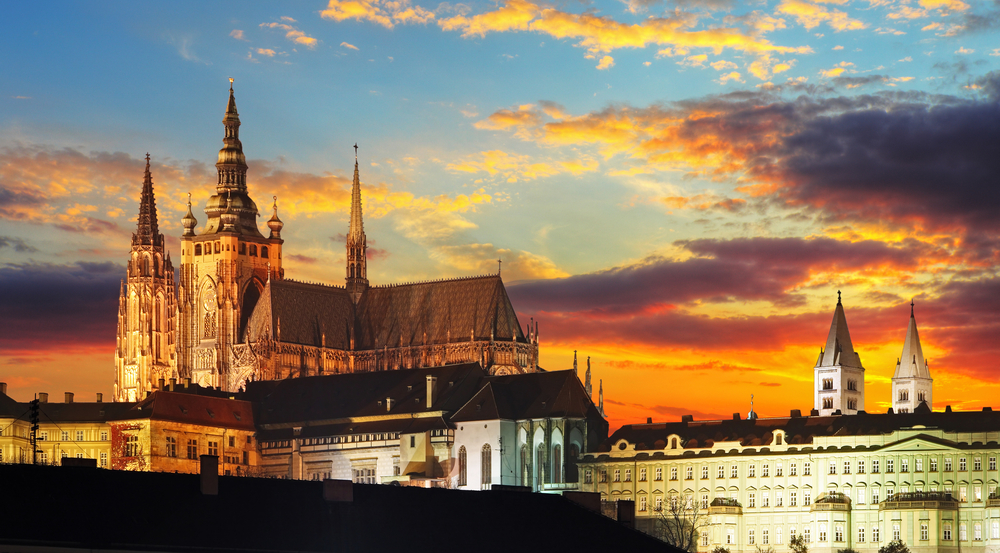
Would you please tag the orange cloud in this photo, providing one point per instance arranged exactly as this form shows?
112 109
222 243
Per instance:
384 13
514 167
811 15
292 34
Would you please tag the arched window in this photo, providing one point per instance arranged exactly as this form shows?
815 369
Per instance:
572 474
263 251
197 249
487 466
540 465
243 248
218 247
145 265
253 250
673 443
557 464
525 464
463 466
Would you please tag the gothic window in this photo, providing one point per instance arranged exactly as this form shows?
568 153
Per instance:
852 404
197 249
487 465
145 265
827 383
209 325
525 462
263 251
463 466
572 473
828 403
921 396
904 395
852 385
540 463
557 464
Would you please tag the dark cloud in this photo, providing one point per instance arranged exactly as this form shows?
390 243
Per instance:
722 270
301 258
49 306
16 244
376 253
856 82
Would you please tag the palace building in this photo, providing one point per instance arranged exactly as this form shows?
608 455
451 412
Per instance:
237 319
840 477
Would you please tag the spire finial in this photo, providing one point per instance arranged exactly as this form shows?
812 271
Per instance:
189 199
275 206
230 83
147 158
911 307
499 264
355 152
838 297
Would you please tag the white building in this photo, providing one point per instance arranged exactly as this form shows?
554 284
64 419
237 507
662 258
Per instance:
839 377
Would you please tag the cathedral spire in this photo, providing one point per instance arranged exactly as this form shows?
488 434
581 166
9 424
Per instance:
839 349
911 363
357 265
232 164
148 231
586 382
911 382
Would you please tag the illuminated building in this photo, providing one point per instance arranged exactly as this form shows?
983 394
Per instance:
145 350
433 427
70 429
239 319
841 481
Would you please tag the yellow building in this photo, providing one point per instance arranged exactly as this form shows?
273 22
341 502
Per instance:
169 431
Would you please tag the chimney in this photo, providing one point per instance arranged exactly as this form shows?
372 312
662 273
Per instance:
43 397
100 397
338 491
687 418
795 413
209 475
161 382
69 397
173 382
187 382
814 412
431 384
3 388
649 420
736 416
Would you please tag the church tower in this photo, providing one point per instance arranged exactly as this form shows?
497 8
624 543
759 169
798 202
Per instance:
839 378
147 308
357 246
912 383
224 267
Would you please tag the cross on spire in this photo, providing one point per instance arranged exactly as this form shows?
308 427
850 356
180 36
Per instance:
499 265
838 297
355 152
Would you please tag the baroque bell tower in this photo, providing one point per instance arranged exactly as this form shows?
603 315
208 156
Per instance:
147 308
357 245
224 267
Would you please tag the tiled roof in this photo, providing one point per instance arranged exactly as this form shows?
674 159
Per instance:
300 401
446 310
192 409
386 316
798 430
529 396
63 412
305 312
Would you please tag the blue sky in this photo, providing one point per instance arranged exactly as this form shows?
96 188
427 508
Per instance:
642 145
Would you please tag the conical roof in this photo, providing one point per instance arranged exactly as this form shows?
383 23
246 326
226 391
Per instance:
839 350
147 231
911 362
356 230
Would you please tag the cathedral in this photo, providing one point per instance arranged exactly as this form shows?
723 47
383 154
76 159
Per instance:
235 318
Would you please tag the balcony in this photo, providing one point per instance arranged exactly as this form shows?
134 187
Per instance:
725 506
921 500
833 501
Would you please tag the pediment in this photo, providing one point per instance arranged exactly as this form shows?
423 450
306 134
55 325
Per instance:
921 443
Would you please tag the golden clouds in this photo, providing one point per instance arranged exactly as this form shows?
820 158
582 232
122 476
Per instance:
515 167
837 70
810 15
291 33
606 62
386 14
482 259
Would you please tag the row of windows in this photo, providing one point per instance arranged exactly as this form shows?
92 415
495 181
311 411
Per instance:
838 533
43 457
485 466
890 468
219 249
851 384
64 435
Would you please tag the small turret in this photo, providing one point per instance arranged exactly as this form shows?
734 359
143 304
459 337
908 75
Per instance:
229 217
274 223
189 222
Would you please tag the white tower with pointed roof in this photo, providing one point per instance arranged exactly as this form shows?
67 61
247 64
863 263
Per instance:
839 377
912 382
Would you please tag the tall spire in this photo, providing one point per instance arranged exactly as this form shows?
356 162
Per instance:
586 382
232 164
357 246
839 350
911 362
148 231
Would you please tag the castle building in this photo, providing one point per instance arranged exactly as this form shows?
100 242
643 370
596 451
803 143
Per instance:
840 478
911 383
838 377
145 349
236 318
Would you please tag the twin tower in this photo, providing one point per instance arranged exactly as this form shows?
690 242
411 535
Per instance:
839 377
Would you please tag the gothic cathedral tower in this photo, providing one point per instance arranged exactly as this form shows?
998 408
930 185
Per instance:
224 267
147 308
357 245
912 383
839 378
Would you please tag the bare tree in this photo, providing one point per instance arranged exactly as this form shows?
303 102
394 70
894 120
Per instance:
798 544
680 522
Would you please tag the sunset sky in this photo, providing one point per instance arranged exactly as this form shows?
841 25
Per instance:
677 189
